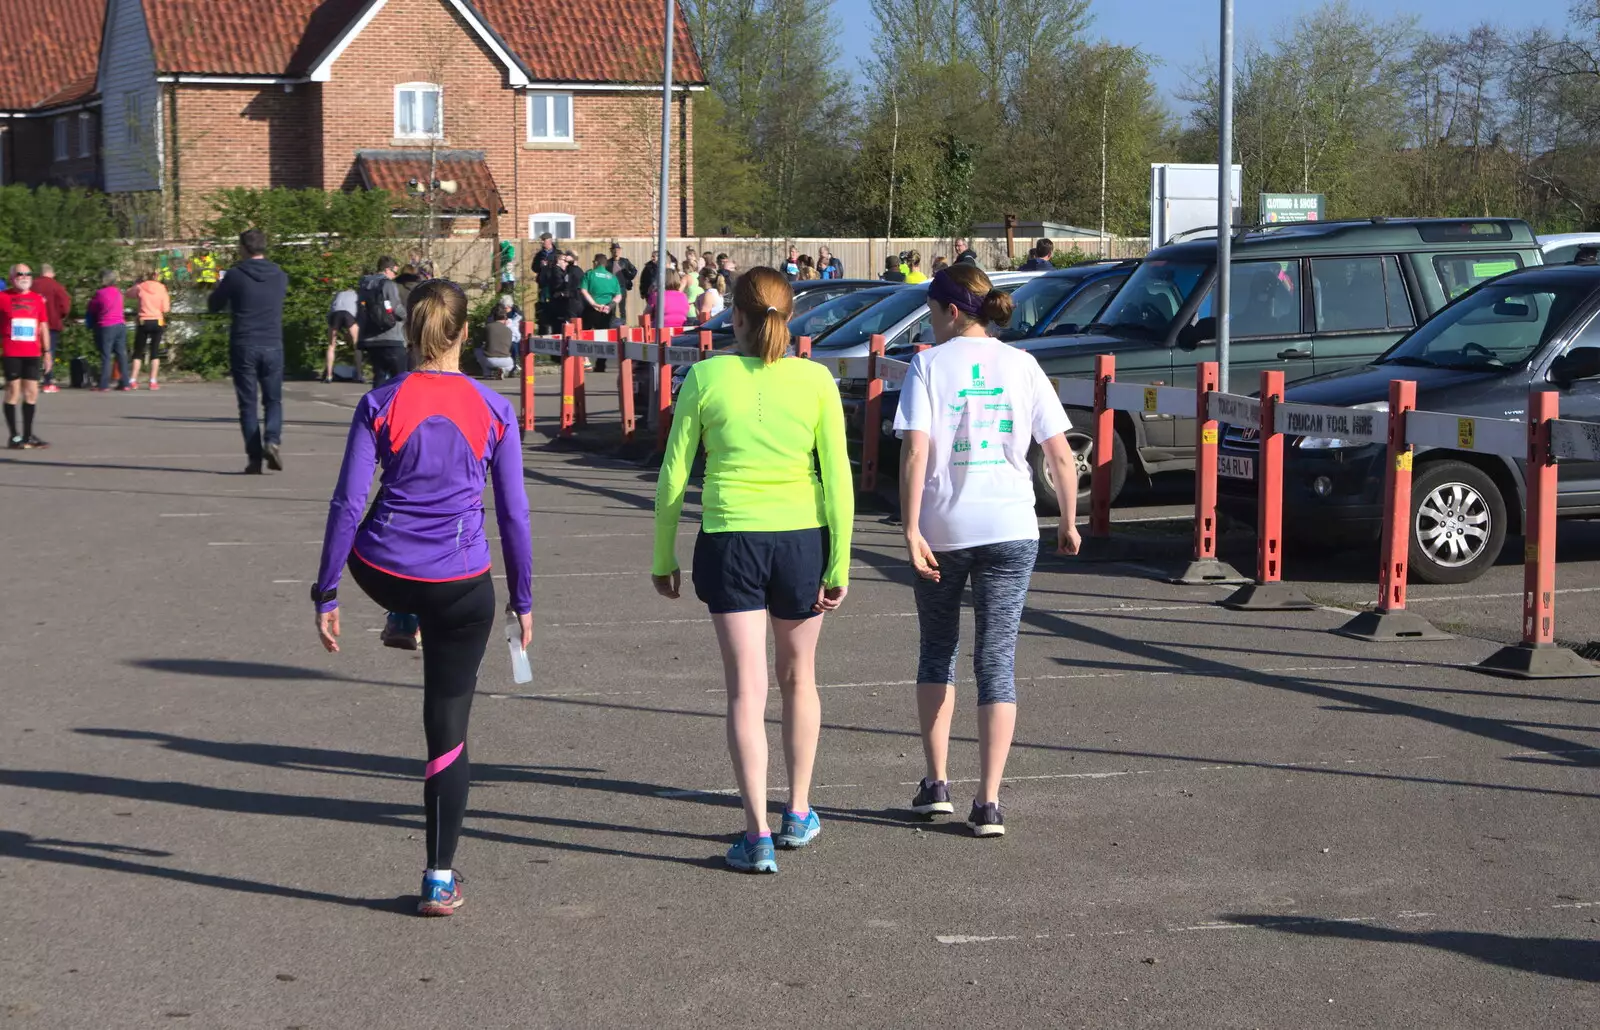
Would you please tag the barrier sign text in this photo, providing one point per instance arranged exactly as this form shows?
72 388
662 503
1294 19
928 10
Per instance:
1333 423
1244 412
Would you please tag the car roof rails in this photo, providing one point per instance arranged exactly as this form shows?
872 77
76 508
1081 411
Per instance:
1237 230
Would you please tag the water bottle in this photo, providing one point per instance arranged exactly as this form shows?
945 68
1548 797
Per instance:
521 671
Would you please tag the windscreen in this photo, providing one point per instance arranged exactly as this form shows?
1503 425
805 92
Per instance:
1498 326
1148 303
879 318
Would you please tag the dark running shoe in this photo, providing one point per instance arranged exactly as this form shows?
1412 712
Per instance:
933 798
274 457
253 469
33 443
986 820
402 631
439 899
16 443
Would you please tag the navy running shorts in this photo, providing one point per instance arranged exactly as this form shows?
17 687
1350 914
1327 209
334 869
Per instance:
750 572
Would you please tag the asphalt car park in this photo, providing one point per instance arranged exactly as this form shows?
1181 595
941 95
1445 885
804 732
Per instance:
1215 819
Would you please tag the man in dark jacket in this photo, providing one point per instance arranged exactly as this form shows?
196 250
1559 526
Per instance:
626 273
253 291
1039 256
545 267
381 317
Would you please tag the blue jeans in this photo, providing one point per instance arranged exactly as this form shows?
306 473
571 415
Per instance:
55 345
258 368
113 341
1000 574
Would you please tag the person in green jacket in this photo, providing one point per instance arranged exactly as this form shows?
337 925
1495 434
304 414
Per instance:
774 541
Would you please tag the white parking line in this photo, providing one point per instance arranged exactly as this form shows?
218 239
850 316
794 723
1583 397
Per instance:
1491 597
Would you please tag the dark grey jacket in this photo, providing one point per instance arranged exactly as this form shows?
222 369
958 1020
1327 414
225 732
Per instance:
395 335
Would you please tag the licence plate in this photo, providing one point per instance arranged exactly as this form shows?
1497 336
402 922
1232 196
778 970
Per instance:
1236 466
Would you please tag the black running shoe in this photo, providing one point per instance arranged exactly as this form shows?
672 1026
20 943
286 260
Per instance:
986 820
16 443
33 443
274 458
933 798
253 469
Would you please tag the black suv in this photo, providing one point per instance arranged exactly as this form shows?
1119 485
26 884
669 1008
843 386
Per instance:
1536 329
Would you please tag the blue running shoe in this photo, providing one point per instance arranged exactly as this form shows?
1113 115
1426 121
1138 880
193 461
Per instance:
798 832
440 898
753 858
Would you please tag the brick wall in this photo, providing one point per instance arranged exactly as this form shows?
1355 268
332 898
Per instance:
223 136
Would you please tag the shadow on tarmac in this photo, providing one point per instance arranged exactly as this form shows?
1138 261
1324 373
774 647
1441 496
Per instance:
221 668
1548 956
120 468
113 858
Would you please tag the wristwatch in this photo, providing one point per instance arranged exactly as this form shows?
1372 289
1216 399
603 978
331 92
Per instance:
323 596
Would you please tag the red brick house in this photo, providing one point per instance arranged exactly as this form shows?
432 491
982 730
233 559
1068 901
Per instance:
537 111
49 111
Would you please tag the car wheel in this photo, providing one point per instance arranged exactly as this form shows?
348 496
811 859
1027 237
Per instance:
1082 443
1458 523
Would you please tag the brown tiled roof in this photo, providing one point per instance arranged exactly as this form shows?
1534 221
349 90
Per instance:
46 47
392 170
72 92
564 41
224 37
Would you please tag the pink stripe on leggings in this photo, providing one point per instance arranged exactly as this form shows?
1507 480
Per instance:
440 764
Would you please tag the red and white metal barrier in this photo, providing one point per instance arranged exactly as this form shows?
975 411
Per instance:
1205 568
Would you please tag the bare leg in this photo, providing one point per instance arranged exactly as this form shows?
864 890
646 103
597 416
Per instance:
155 369
743 638
327 361
135 367
936 705
997 724
796 646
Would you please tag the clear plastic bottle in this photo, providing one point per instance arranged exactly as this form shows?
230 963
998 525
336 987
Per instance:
521 671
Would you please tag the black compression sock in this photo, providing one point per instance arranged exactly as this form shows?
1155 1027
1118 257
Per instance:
27 420
11 418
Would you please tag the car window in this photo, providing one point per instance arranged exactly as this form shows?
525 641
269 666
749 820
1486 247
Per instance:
1035 300
879 318
804 302
1087 305
1265 299
1147 304
1561 255
1348 294
1498 326
1459 273
823 317
1394 288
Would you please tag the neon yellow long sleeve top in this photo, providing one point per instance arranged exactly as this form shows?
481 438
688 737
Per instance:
760 425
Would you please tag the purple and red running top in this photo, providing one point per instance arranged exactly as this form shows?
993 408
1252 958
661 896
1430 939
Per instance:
437 436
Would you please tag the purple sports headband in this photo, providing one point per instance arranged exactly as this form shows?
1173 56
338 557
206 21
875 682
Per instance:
945 290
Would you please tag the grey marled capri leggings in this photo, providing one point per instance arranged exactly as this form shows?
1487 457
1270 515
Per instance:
1000 575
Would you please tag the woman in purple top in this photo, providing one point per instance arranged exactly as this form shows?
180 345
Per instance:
104 316
433 436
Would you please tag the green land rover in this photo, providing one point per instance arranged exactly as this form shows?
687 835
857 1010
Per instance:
1307 298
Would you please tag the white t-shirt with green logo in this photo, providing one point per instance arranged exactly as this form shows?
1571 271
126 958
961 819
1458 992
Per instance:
982 403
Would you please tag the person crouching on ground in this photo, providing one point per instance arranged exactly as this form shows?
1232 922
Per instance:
774 544
970 410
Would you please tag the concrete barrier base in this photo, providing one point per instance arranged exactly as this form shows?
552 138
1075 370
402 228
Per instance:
1537 662
1255 597
1391 626
1209 572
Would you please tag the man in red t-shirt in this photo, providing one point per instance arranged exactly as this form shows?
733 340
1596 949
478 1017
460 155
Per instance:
59 301
24 321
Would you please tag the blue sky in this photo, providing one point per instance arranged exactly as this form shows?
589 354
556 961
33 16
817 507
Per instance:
1183 32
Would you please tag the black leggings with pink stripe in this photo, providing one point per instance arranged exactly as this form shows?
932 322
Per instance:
456 619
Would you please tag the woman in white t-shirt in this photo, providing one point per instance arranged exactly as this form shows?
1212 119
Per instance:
970 409
710 303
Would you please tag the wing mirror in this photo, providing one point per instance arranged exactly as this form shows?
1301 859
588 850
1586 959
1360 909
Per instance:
1193 335
1578 363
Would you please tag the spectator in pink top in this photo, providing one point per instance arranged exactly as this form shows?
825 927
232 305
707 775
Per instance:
674 310
104 316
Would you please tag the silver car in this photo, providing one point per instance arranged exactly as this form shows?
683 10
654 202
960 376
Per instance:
902 319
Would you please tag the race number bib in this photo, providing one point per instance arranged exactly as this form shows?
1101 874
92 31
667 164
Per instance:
25 330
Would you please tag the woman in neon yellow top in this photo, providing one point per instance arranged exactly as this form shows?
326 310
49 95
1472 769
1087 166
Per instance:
774 541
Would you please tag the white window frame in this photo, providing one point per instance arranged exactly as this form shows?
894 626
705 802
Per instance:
549 100
85 134
58 127
419 88
545 222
